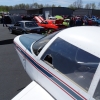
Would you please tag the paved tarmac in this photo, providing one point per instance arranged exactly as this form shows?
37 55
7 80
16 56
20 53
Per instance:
13 77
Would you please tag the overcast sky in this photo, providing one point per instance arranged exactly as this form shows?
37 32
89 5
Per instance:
63 3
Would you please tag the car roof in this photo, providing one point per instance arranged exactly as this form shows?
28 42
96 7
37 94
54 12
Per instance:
26 21
84 37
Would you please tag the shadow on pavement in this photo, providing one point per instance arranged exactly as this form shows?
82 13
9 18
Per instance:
20 89
4 42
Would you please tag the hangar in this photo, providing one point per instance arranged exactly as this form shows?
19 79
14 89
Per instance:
46 11
88 12
51 11
18 11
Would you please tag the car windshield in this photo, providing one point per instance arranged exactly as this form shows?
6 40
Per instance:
30 24
38 45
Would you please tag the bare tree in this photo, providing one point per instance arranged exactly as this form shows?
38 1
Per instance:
59 5
47 5
40 6
79 3
16 7
88 6
99 5
36 5
27 6
93 6
76 4
53 5
73 6
22 6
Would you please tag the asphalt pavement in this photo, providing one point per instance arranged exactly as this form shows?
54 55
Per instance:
13 77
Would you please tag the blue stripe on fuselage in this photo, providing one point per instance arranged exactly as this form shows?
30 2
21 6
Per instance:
50 76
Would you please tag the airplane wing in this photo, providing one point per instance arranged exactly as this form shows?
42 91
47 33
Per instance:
33 92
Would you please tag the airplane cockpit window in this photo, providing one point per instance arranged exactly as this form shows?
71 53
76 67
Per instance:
84 57
97 92
48 60
38 45
75 63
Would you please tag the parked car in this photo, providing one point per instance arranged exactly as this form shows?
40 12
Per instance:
50 25
11 19
22 27
96 20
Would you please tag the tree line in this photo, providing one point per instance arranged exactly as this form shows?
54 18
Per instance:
26 6
75 5
79 4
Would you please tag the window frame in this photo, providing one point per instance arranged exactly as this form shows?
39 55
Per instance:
98 85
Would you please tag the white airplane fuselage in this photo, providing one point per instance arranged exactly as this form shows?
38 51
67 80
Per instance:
52 80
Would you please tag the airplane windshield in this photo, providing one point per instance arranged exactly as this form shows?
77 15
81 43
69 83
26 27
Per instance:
38 45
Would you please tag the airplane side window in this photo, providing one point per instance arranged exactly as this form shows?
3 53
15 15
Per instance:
88 65
48 60
97 92
85 57
74 63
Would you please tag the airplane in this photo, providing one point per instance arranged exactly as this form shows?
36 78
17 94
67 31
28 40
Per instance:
64 65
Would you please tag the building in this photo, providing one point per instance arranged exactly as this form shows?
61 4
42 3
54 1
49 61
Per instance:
18 12
88 12
52 11
47 11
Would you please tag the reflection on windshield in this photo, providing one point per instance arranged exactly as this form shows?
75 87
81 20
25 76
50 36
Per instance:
38 45
30 24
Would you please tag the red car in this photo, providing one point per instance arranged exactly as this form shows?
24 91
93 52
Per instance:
53 25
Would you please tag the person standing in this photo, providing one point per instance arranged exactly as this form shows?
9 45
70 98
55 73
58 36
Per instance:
4 20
